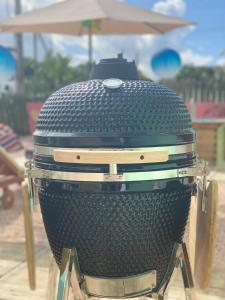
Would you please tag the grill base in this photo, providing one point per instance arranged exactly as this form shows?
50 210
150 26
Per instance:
116 234
128 287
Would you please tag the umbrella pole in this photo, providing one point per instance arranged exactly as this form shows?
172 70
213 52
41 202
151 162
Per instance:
90 47
19 53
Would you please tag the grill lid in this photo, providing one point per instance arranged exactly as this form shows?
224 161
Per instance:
129 113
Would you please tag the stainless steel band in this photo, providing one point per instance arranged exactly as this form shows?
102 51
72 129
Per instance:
125 177
172 150
113 175
121 287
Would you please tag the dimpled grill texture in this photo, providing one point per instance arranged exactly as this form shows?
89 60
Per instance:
137 106
116 234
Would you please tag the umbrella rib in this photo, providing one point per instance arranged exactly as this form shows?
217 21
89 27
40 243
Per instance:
80 29
154 28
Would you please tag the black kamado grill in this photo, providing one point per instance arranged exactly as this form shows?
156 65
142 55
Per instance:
114 167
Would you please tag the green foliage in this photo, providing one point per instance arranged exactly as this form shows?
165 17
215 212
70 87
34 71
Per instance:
13 113
142 75
54 72
199 76
81 72
41 79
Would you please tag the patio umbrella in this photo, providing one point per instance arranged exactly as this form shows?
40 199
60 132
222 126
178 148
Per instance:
101 17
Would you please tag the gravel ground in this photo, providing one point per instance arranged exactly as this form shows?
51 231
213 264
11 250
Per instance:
11 223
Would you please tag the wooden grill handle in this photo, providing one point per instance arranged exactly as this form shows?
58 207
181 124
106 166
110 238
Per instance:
90 156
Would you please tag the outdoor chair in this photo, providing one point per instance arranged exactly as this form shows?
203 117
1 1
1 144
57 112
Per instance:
11 171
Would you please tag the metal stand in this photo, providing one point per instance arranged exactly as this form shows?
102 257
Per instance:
29 235
185 267
70 276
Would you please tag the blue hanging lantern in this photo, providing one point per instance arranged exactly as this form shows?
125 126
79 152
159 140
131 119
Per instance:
7 70
166 63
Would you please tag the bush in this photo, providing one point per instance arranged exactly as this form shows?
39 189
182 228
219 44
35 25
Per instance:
13 113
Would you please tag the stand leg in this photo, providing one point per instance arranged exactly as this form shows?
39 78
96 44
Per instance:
159 297
186 273
65 274
184 264
29 237
76 281
52 280
70 276
162 292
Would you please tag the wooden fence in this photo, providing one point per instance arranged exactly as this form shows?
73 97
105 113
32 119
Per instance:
195 92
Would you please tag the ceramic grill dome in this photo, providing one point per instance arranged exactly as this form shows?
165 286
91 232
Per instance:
120 228
139 113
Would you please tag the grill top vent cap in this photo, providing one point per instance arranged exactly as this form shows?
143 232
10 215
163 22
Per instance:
115 68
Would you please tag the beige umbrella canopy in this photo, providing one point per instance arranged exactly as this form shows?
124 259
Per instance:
78 17
114 17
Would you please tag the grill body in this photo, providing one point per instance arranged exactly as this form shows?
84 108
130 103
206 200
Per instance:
118 229
116 234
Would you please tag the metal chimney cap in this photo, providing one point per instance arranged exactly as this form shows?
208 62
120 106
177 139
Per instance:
115 68
112 83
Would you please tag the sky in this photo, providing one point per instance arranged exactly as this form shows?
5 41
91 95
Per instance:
199 44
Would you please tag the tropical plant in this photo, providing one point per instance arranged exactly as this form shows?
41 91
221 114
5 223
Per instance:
41 79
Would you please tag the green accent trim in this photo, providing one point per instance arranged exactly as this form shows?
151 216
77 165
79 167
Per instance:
87 23
220 145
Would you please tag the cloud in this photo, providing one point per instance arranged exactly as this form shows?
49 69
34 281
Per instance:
62 42
188 56
6 40
170 7
27 5
138 47
220 62
31 4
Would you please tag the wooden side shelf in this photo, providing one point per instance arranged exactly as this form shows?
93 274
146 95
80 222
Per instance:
210 142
